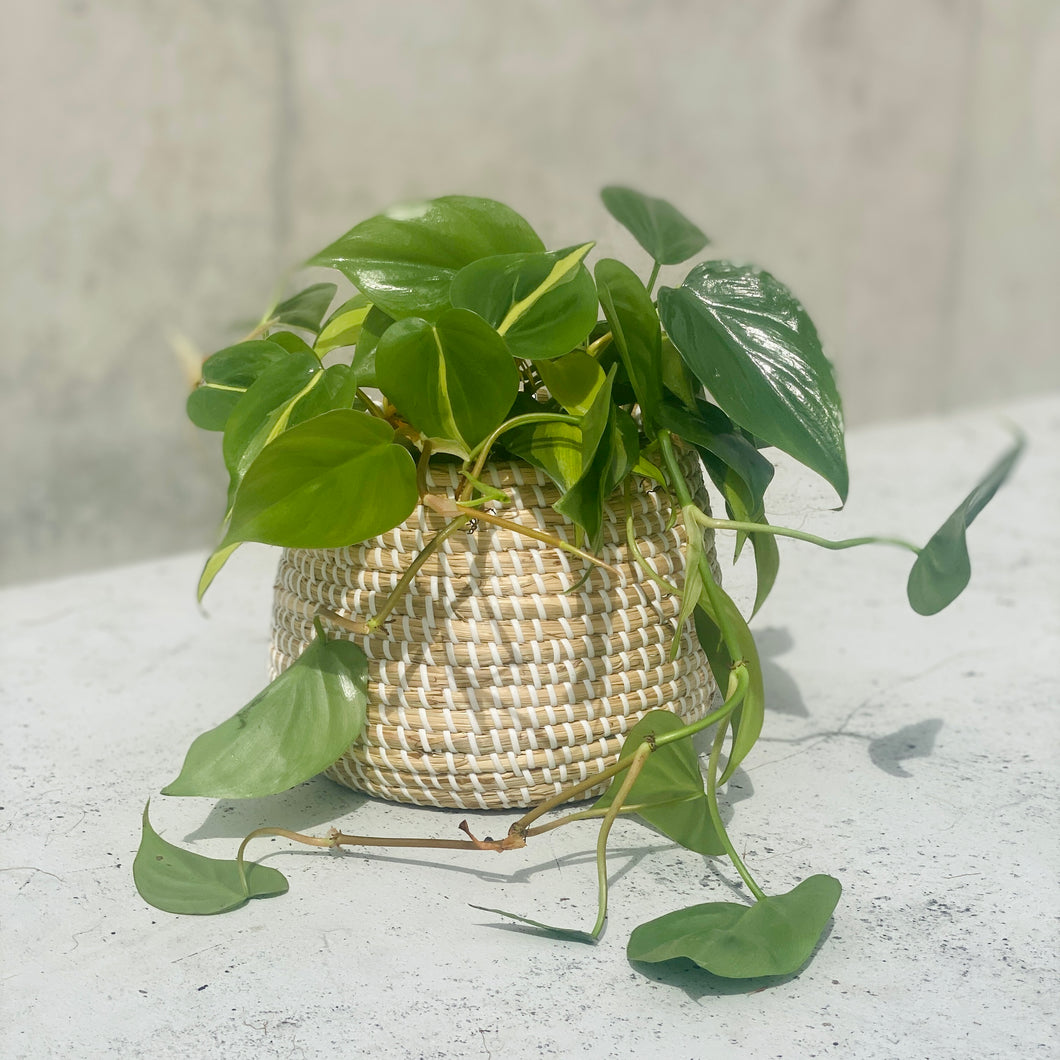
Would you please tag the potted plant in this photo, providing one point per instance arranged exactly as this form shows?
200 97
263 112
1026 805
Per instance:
488 468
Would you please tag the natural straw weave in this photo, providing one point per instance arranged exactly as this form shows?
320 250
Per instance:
489 686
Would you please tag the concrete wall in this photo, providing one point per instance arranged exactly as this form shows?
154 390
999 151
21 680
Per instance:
897 164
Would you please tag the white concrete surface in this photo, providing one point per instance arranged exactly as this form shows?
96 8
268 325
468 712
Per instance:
916 759
897 164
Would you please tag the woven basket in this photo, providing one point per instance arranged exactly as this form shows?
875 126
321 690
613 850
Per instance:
490 686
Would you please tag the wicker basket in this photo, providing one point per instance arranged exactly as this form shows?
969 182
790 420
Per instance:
490 685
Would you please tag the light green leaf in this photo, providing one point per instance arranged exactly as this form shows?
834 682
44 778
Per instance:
218 558
453 380
179 881
343 328
573 380
567 934
775 936
306 309
555 448
661 229
405 258
375 324
752 345
636 329
943 568
668 792
543 304
332 481
296 727
226 377
291 343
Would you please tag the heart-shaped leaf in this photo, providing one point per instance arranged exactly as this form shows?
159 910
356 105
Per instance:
453 380
752 345
293 729
661 229
343 327
179 881
226 376
636 330
332 481
668 792
775 936
306 309
942 568
543 304
405 258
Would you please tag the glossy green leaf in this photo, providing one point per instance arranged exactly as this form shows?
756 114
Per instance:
775 936
661 229
567 934
668 792
264 411
637 333
296 727
226 377
405 258
291 343
343 327
573 380
179 881
752 345
306 309
943 568
747 719
555 448
543 304
332 481
453 380
372 330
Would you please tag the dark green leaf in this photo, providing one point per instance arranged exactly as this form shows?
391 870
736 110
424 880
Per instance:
542 304
178 881
747 719
942 568
291 343
752 345
676 376
306 309
668 793
226 377
405 258
296 727
375 324
332 481
775 936
343 327
568 934
661 229
453 380
636 329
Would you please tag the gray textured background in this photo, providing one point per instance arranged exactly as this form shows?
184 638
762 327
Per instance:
897 164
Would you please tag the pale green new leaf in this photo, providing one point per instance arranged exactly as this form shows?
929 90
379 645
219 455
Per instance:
296 727
343 327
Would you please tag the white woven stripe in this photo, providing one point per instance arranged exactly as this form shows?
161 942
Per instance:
489 685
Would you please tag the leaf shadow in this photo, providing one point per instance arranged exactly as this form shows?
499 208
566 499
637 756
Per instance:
697 983
311 805
782 693
910 741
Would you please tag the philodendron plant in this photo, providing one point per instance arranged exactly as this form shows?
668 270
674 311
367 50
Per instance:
466 339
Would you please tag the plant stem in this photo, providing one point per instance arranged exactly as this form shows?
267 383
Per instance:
653 277
520 826
715 816
402 586
738 681
639 757
710 523
594 349
373 408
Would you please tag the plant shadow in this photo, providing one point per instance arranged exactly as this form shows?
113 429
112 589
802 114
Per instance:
782 693
910 741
